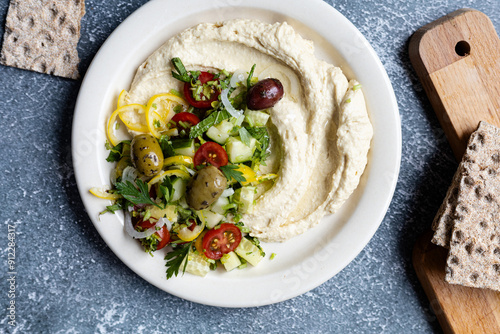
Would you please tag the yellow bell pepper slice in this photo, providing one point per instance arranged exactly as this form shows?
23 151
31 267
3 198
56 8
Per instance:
134 117
178 160
123 99
186 234
103 192
248 174
170 172
112 127
159 111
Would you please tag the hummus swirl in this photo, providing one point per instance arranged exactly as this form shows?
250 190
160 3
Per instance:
320 130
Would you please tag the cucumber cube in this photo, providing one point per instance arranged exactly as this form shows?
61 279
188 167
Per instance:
248 251
256 117
196 264
219 204
184 147
179 186
211 218
230 261
245 197
237 151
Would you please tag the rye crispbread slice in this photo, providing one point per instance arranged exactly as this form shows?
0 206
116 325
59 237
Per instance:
474 255
42 35
443 222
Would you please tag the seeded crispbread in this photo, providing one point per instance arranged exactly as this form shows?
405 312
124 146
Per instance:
474 255
42 35
443 222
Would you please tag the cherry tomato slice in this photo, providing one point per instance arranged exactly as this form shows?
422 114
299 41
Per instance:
204 77
164 235
186 117
222 240
144 224
210 153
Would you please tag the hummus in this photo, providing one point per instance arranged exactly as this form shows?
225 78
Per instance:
320 131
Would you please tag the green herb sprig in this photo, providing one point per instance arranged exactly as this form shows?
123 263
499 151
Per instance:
176 258
134 195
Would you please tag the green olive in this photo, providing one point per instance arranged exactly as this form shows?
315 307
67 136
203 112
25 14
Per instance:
205 188
146 154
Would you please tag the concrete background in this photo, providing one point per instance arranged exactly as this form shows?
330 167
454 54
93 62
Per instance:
68 281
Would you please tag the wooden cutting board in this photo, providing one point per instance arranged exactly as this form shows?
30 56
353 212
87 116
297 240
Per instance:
457 59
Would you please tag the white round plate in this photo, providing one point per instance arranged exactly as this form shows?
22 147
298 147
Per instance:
301 263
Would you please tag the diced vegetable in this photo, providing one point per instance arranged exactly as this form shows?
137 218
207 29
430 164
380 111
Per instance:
237 151
230 261
248 251
196 265
184 147
245 197
217 207
220 132
256 118
179 186
211 218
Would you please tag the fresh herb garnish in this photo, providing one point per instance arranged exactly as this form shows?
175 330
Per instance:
245 136
166 189
134 195
262 136
181 74
166 146
116 152
113 208
232 172
214 118
175 259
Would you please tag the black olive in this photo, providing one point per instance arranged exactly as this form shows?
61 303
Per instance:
264 94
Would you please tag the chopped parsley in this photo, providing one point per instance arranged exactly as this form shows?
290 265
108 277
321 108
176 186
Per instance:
135 195
232 172
175 259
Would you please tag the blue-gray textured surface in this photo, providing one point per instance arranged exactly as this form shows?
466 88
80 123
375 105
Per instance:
68 281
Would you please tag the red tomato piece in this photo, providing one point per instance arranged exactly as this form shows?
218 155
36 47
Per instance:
204 77
220 241
164 235
186 117
210 153
144 224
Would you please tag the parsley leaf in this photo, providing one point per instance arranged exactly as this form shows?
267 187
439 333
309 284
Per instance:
166 146
167 189
214 118
261 135
116 152
182 74
113 208
175 259
232 172
134 195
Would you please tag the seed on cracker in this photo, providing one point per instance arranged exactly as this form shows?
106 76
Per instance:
42 35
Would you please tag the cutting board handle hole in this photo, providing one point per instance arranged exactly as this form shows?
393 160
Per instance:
462 48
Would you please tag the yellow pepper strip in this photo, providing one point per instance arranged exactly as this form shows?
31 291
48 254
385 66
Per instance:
134 117
123 99
170 172
103 192
178 160
159 111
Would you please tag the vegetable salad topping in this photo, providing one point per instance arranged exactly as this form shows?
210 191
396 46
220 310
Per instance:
192 168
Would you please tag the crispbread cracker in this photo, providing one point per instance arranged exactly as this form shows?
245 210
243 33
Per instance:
42 35
443 222
474 256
